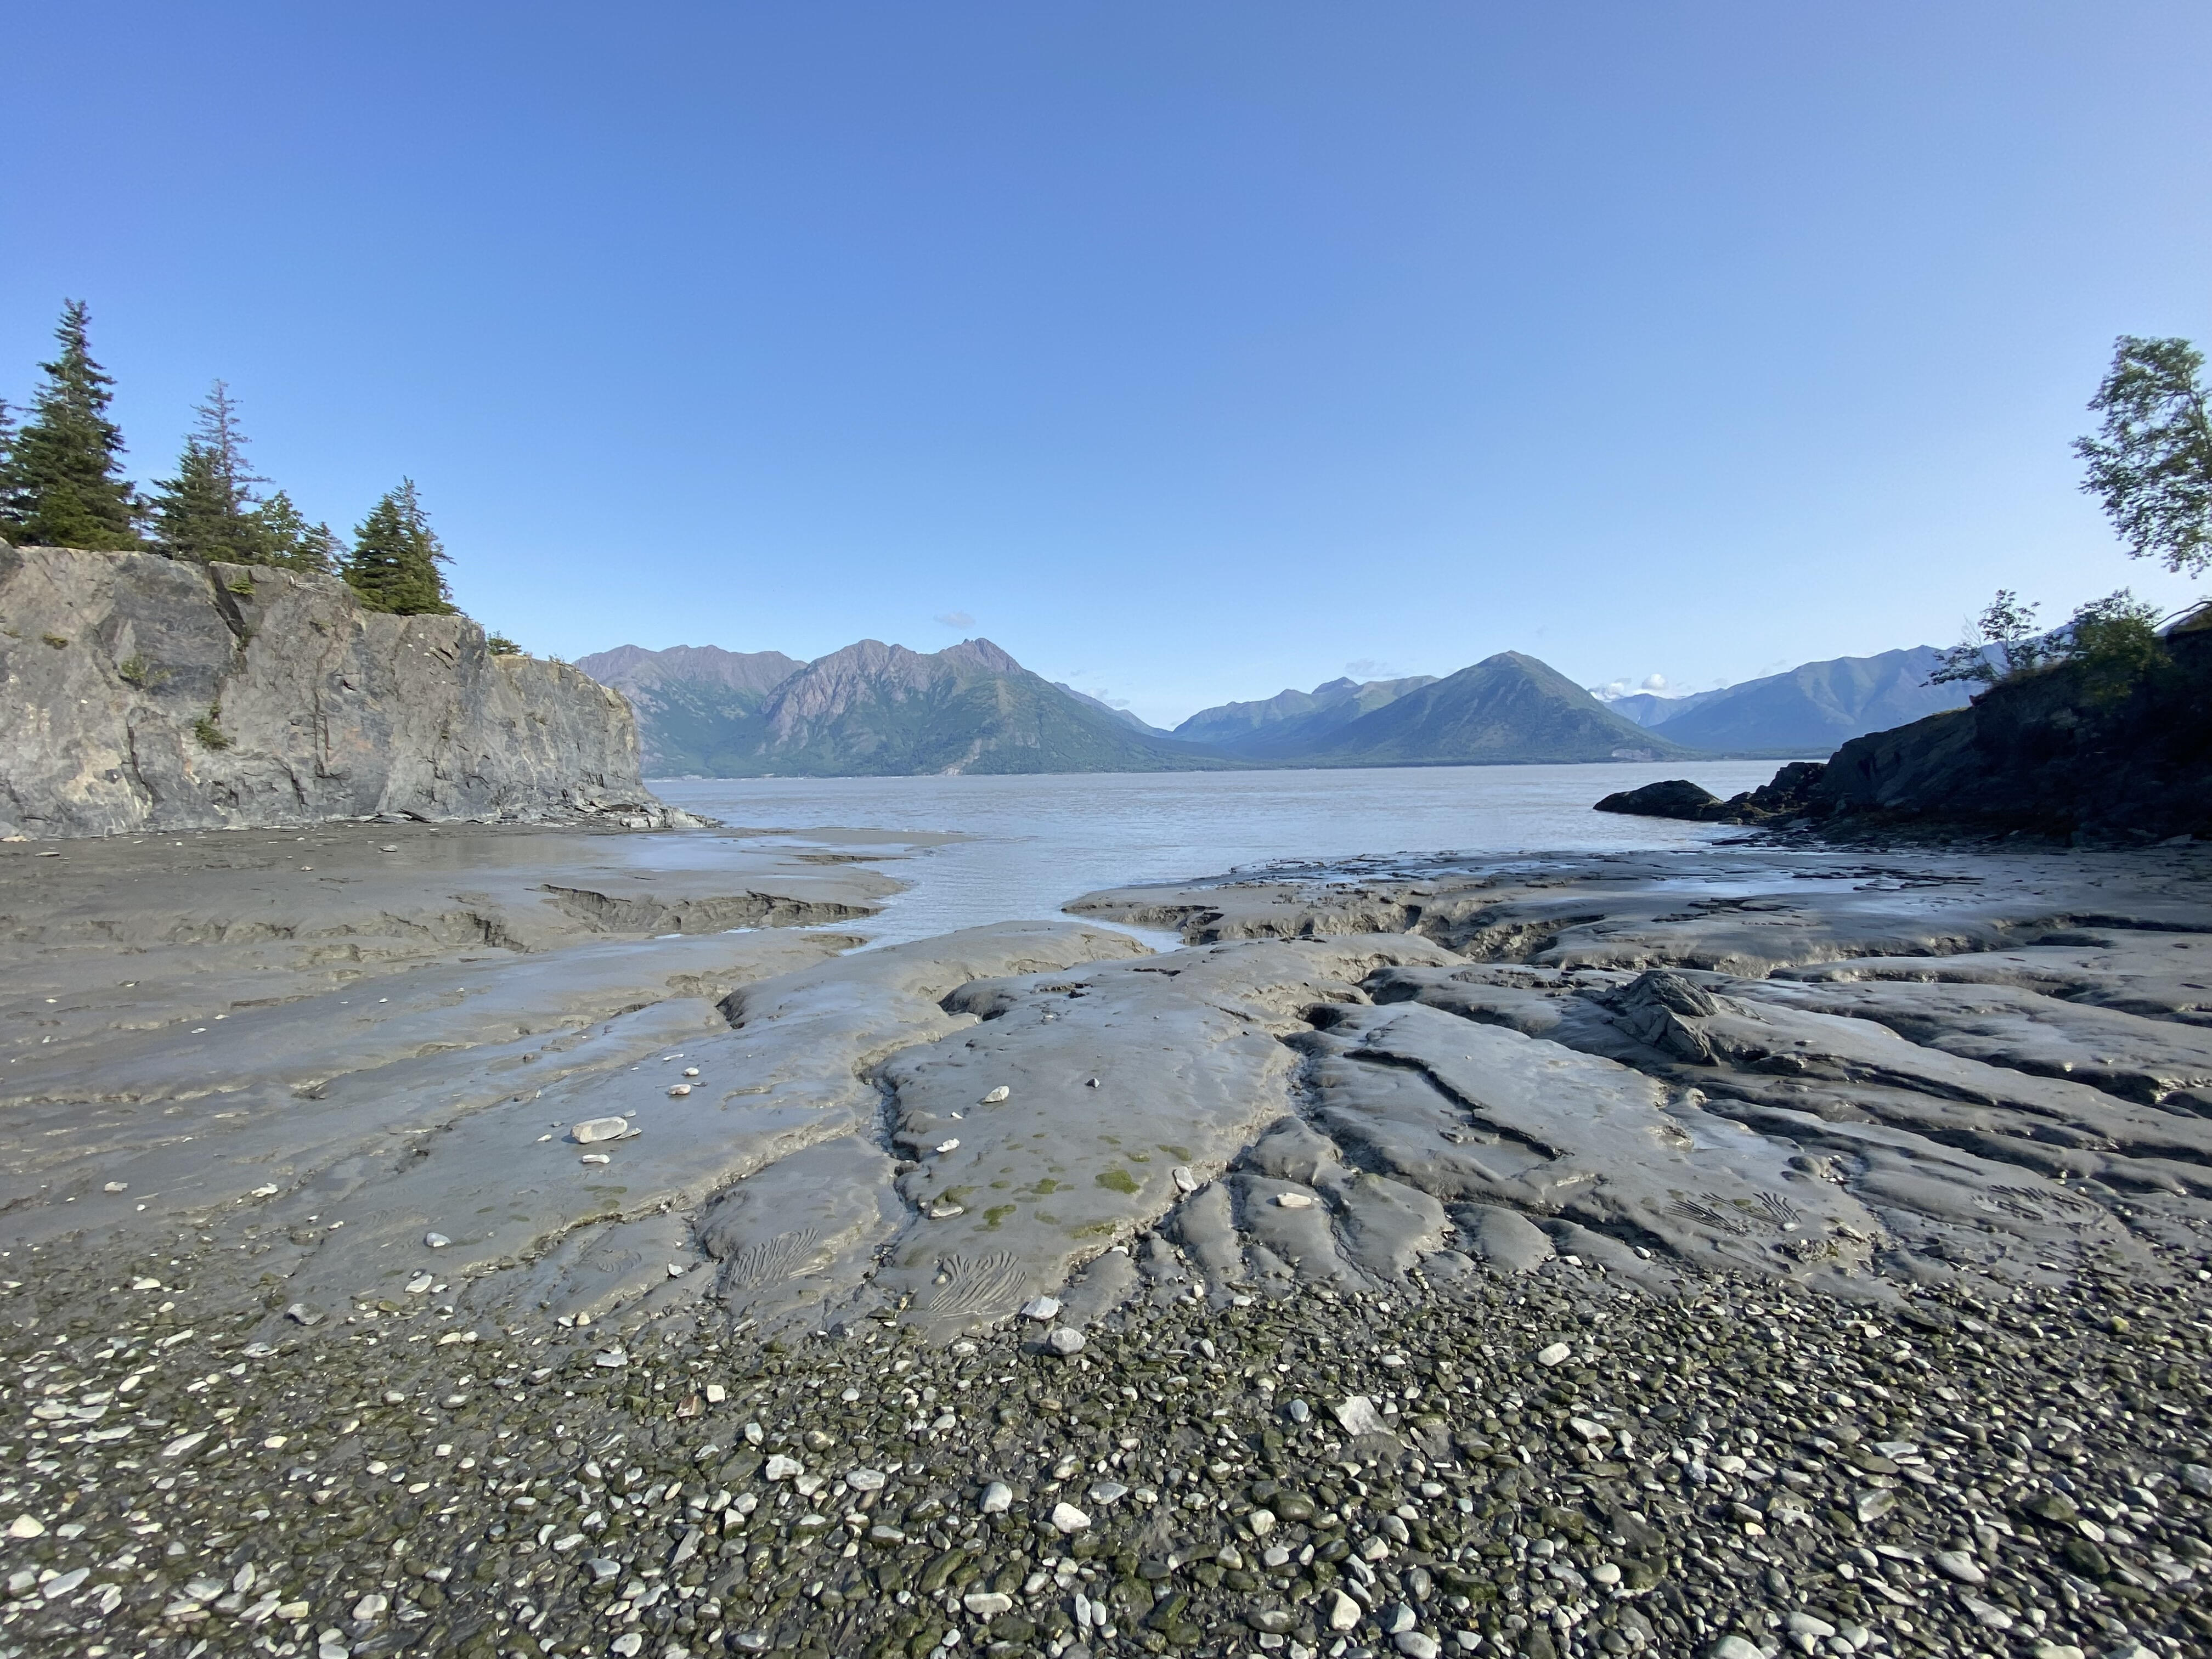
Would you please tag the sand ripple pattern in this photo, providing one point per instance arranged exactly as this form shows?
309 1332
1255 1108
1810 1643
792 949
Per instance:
977 1283
772 1260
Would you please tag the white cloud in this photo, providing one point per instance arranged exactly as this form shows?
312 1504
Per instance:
1654 682
954 619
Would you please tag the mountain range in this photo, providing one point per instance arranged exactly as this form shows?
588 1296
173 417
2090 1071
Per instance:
872 710
879 710
1809 710
1290 721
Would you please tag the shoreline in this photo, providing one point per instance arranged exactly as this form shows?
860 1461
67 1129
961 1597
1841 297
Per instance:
1847 1044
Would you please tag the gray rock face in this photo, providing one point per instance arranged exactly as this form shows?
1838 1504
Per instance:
1814 1067
143 693
1800 1070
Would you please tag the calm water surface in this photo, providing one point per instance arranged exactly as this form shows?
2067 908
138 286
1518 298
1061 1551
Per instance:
1029 844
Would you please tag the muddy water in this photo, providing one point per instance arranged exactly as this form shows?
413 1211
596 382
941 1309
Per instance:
1032 843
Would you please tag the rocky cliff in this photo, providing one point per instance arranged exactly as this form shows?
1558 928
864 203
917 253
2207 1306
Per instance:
2052 753
143 693
2065 752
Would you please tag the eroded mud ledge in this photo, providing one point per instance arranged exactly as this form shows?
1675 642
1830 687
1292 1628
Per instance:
1437 1257
1855 1072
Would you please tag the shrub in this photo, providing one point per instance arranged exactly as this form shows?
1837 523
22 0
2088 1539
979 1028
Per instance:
205 729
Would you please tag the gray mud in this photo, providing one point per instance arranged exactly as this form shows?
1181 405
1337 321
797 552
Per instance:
500 1146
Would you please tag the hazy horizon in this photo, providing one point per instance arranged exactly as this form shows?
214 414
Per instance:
1611 693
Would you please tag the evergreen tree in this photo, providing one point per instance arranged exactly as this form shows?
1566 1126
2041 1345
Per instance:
290 542
63 482
6 453
207 511
395 559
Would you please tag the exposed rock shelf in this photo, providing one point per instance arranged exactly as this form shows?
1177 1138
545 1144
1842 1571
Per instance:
1840 1072
143 693
2057 753
1534 1257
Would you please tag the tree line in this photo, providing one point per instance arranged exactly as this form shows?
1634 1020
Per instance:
2149 464
62 484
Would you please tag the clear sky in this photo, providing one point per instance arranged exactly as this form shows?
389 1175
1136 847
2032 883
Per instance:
1186 351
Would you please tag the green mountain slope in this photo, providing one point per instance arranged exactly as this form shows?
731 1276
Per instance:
1505 709
1290 721
697 706
1817 705
883 711
875 710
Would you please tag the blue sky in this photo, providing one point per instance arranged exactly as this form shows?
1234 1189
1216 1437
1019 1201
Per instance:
1191 351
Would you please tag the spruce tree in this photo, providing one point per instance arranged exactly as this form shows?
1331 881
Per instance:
395 559
207 511
290 542
7 455
63 484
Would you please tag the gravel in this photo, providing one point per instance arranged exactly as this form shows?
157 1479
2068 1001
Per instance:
1744 1468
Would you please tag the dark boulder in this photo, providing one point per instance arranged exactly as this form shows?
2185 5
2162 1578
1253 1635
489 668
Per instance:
1676 798
1790 795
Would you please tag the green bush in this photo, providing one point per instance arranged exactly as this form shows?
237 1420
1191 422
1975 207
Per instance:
2115 640
210 734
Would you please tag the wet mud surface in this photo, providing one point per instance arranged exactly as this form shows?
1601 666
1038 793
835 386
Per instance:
1479 1213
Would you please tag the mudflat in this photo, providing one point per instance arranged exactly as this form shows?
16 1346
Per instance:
490 1240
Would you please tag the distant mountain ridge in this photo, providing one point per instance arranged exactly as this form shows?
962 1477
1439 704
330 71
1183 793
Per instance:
874 710
1506 708
1810 709
1126 716
1292 721
692 701
1649 709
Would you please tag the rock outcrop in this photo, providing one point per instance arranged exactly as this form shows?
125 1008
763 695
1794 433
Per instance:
1789 797
2062 753
143 693
2052 753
